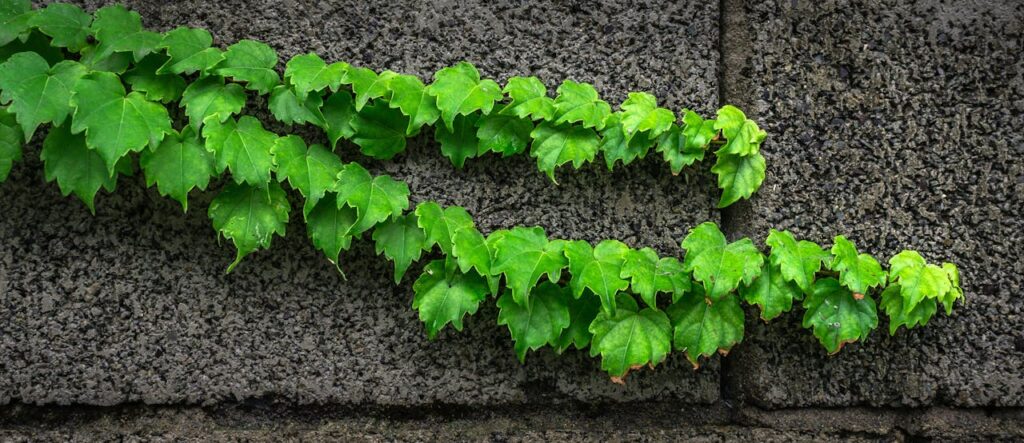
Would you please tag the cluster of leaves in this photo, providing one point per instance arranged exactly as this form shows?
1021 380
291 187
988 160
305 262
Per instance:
62 67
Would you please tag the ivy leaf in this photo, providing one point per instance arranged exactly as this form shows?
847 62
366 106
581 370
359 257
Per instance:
537 322
289 109
682 146
309 73
649 275
67 25
616 146
338 112
116 123
190 51
210 98
798 261
37 43
524 255
311 171
703 328
892 304
116 63
503 134
918 280
773 293
379 131
439 224
76 168
330 228
409 95
582 312
119 30
15 16
738 177
249 216
401 240
955 292
743 137
251 62
143 77
554 146
459 143
243 147
631 338
719 265
10 143
597 269
838 317
178 165
453 230
375 199
858 272
640 113
579 102
367 84
442 299
529 99
36 92
460 91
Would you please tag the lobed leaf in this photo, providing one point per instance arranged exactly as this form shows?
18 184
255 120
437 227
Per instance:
309 73
579 103
401 240
243 147
798 261
529 99
68 26
409 95
858 272
210 98
682 146
771 292
738 177
375 199
312 171
289 109
892 304
701 328
743 137
442 298
717 264
524 255
538 321
249 216
379 131
630 338
837 316
460 91
650 275
640 113
554 146
76 168
117 29
502 134
330 227
37 92
598 269
15 19
251 62
917 279
10 143
143 77
190 51
460 142
582 312
181 163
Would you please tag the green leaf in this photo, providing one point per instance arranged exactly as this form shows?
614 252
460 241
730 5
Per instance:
439 224
537 322
441 298
617 147
289 109
251 62
524 255
631 338
36 92
682 146
10 143
401 240
375 199
243 147
858 272
917 279
460 91
955 292
76 168
36 42
338 112
582 312
66 24
703 328
380 131
116 63
309 73
190 51
597 269
15 16
892 304
529 99
330 228
503 134
640 113
312 171
649 275
409 95
773 293
210 98
119 30
719 265
116 123
178 165
453 230
554 146
143 77
798 261
249 216
738 177
459 143
579 102
837 316
367 84
743 137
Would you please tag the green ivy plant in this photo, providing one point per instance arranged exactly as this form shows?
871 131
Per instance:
106 88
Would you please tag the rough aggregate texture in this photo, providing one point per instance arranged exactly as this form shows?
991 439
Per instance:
897 124
131 305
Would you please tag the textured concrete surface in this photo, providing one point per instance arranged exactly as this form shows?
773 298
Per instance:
132 305
897 124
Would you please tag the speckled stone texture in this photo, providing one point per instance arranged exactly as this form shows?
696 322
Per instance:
131 305
898 124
